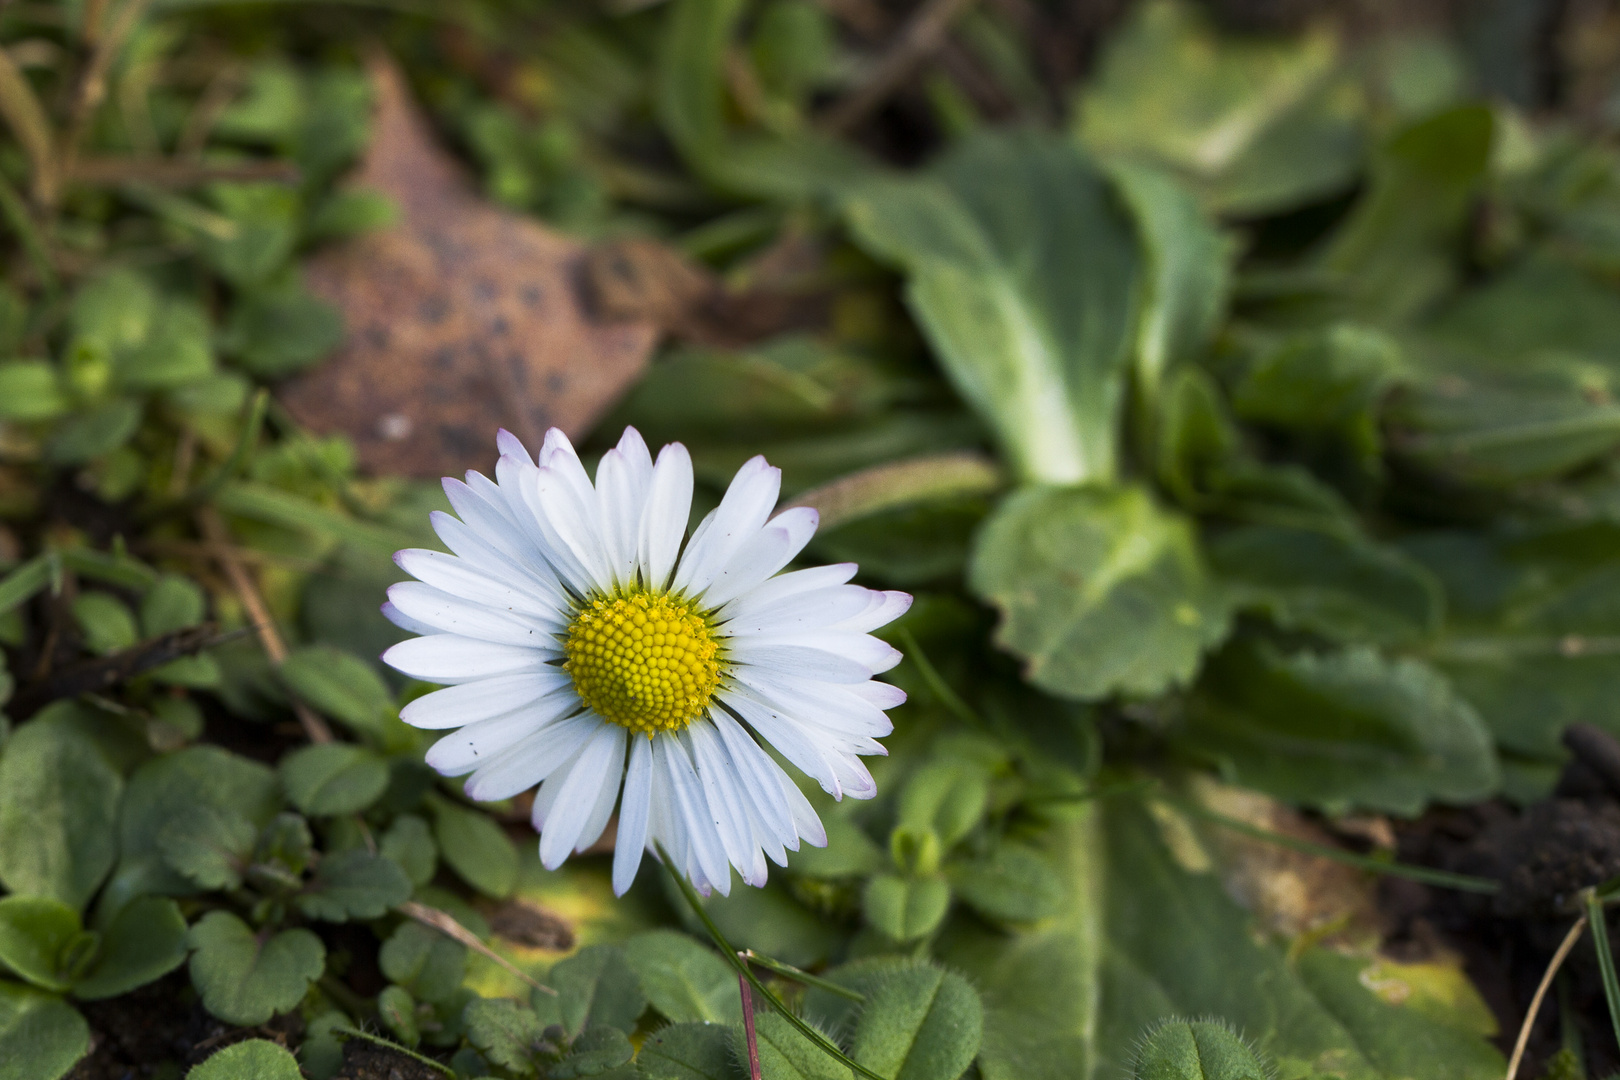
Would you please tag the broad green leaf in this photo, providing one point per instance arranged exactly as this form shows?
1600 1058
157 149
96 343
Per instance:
254 237
251 1059
1188 274
691 1051
423 961
59 801
209 847
41 1036
1394 255
1323 385
353 885
93 432
333 778
274 333
175 786
1538 305
1023 273
1343 587
106 622
397 1010
785 1054
145 941
340 685
596 1052
475 847
1196 1050
176 350
1013 883
905 908
1341 729
506 1032
949 796
246 977
36 935
172 603
919 1023
1257 126
30 390
597 985
409 842
1100 591
684 979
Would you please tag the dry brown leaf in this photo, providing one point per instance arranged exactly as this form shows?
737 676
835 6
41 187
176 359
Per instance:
462 318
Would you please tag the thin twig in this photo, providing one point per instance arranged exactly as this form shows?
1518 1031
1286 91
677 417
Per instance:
446 924
213 529
1523 1040
26 118
93 83
748 1025
922 35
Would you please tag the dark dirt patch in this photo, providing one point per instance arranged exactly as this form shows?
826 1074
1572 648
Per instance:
531 925
152 1031
363 1060
1544 855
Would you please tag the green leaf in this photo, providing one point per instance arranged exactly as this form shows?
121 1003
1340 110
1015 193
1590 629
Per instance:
1013 883
475 847
246 978
785 1054
59 801
1323 384
919 1023
106 621
1256 125
145 941
1196 1050
397 1010
36 934
274 333
684 979
409 842
30 390
948 796
423 961
93 432
596 986
172 603
1395 253
1341 729
1340 586
905 908
256 236
506 1032
251 1059
176 350
595 1052
333 778
691 1051
1100 591
1023 274
41 1036
340 685
353 885
209 847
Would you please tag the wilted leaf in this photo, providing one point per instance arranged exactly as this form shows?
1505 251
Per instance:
461 318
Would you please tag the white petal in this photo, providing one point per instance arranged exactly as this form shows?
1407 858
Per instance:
727 809
796 657
596 769
790 740
569 525
451 658
511 446
405 622
805 820
814 610
622 478
781 587
488 559
492 524
598 819
631 842
869 652
663 519
530 761
823 705
558 453
759 775
882 695
692 814
453 615
741 514
471 702
483 741
770 549
884 608
531 595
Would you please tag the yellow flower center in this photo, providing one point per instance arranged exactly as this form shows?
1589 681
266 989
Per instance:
645 661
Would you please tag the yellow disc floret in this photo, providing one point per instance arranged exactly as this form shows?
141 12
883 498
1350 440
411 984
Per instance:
646 661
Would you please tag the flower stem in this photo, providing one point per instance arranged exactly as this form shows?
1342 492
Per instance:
748 1026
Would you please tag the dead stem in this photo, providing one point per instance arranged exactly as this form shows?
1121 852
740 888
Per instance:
1557 961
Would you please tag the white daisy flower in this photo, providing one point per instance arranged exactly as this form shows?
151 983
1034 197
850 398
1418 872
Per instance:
584 650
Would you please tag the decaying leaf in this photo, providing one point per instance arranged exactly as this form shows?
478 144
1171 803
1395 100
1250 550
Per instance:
461 317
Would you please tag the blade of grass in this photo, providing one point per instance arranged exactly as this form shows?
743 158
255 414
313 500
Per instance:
735 960
20 586
1443 878
1600 940
933 680
788 971
1553 965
